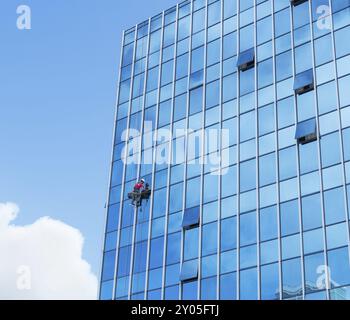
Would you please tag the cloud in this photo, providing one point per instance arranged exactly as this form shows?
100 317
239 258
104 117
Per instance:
42 260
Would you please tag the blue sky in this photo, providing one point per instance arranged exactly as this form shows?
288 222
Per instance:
57 96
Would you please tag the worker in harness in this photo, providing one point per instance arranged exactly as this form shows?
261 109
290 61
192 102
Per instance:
138 188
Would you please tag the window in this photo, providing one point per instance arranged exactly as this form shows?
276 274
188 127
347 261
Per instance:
308 157
267 169
334 206
247 127
269 251
270 282
303 58
265 73
190 218
209 238
338 261
289 218
304 82
312 264
287 163
189 270
266 119
248 175
248 229
311 212
228 285
306 131
330 149
173 248
291 278
268 223
342 47
246 60
108 265
249 284
337 235
229 45
196 100
284 66
229 234
191 244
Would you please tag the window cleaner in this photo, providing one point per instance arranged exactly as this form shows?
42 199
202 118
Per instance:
141 191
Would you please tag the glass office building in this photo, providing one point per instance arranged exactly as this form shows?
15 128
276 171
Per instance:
270 218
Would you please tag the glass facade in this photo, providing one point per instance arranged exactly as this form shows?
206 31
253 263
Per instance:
270 220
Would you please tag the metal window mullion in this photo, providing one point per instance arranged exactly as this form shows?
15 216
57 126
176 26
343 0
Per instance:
319 152
139 161
238 158
110 178
182 251
154 157
218 264
124 165
280 286
257 154
185 147
340 135
203 136
169 158
298 162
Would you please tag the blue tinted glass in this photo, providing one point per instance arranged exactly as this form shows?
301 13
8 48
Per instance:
291 278
228 234
311 212
248 175
248 284
124 261
248 228
270 282
155 279
338 261
189 290
287 163
289 217
208 289
173 248
209 238
156 256
245 57
268 223
305 128
334 205
228 286
189 270
191 217
209 266
303 79
330 149
191 244
108 265
267 169
140 257
282 22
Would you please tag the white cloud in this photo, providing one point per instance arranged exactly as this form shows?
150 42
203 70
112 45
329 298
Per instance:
42 260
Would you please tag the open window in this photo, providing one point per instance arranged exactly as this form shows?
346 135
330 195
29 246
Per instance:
306 131
297 2
189 271
304 82
190 218
246 60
